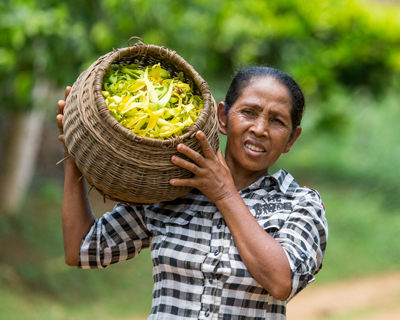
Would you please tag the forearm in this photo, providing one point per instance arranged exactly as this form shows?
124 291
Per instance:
77 216
263 256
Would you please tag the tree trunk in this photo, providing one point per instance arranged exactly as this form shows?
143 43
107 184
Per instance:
24 132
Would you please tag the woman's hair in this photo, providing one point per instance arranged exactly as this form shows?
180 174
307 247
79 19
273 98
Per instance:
242 78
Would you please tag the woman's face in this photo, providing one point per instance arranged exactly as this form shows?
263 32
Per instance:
258 128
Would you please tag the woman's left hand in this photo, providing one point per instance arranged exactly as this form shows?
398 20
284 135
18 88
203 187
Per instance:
211 173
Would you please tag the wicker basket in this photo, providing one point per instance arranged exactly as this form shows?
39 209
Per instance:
122 166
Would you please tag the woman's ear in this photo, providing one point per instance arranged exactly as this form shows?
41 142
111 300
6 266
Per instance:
222 118
292 139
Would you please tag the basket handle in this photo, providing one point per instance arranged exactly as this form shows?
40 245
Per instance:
139 42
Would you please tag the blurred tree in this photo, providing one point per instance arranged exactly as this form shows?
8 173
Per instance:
45 44
25 85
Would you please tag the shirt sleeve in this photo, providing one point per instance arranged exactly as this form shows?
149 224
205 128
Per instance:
303 237
117 236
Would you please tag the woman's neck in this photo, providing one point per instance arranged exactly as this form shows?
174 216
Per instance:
243 180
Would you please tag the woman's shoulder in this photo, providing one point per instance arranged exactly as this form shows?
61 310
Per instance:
289 186
300 196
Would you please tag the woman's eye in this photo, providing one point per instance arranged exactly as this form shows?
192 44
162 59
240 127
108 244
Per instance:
248 112
276 120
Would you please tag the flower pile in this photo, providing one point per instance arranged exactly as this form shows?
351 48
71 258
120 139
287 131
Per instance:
149 102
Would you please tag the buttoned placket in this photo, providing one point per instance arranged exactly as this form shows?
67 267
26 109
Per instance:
213 285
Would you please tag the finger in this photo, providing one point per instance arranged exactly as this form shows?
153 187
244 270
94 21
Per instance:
206 148
191 154
67 91
192 167
59 122
61 138
61 105
221 157
183 182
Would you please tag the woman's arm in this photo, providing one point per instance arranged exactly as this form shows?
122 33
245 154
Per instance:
263 256
77 215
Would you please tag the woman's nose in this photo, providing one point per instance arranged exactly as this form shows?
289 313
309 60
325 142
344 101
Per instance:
259 127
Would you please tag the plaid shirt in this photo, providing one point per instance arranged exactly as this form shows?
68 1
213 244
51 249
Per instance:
197 270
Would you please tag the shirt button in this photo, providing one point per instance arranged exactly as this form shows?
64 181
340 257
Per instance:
219 225
211 280
207 313
216 252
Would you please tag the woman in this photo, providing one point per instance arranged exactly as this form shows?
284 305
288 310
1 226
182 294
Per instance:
243 242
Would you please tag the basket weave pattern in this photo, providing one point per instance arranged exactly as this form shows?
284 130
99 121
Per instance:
122 166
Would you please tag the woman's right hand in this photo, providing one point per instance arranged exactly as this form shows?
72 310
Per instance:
60 115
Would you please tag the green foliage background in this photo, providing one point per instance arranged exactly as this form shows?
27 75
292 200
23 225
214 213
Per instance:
325 45
344 53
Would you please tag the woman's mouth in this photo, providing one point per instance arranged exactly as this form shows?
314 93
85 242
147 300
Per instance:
254 148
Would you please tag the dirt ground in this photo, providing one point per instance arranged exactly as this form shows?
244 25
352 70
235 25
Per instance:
373 298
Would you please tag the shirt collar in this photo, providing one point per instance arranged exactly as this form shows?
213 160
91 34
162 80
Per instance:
282 180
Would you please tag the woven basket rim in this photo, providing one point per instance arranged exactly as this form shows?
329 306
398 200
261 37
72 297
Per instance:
139 50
